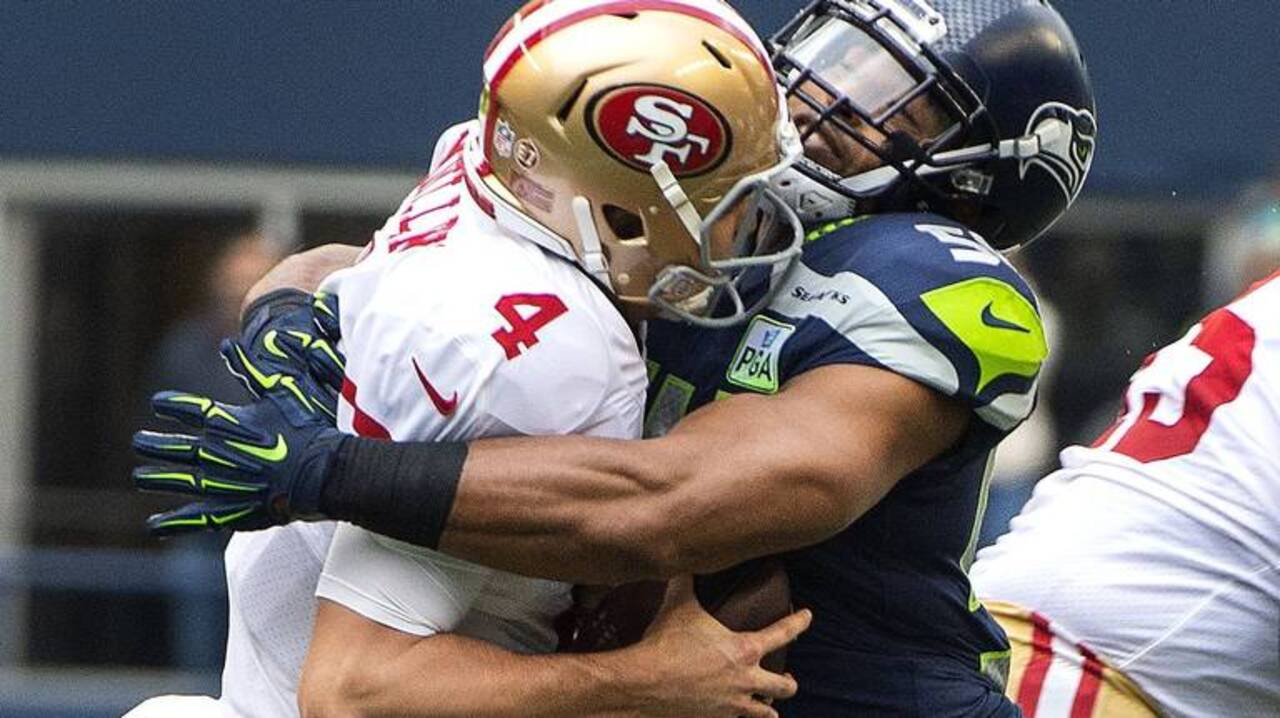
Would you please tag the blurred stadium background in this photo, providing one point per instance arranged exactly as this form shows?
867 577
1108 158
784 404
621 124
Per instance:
147 148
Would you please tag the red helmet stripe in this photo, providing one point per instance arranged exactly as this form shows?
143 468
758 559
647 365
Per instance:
524 12
624 6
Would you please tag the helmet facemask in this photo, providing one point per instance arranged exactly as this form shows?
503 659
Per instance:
887 78
753 227
874 96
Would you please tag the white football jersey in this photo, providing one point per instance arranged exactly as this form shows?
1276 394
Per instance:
453 329
1159 547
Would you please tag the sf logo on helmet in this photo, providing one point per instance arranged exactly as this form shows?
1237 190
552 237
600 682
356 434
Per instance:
642 125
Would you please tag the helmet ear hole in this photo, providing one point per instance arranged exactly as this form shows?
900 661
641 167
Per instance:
624 223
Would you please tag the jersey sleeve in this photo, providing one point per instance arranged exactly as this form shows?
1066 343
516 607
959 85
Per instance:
450 143
925 298
441 346
411 374
403 587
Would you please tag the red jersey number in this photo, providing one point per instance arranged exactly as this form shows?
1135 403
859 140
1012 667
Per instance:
525 325
1223 353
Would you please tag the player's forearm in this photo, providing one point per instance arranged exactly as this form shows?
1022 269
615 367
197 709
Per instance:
304 270
450 676
624 511
742 478
556 516
594 510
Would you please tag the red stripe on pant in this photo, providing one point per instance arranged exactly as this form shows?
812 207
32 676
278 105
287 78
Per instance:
1038 667
1090 681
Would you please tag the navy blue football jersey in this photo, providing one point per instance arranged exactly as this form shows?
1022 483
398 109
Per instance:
897 630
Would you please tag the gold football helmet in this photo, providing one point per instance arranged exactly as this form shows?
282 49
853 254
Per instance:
639 139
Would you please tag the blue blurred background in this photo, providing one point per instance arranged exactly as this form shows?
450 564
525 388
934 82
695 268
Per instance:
156 156
1187 90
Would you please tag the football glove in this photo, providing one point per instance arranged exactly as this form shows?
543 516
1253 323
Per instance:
289 341
252 466
262 464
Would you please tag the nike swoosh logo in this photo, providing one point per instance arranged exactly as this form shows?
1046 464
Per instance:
274 454
445 406
228 518
990 319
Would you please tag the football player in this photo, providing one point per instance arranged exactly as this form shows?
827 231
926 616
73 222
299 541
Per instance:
483 308
849 423
1143 578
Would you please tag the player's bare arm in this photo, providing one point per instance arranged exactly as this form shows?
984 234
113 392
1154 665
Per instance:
303 271
688 665
745 477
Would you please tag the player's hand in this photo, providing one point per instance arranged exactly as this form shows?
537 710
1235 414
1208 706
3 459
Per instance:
289 341
702 668
252 466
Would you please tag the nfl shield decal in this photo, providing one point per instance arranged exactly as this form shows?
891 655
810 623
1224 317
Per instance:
642 125
755 365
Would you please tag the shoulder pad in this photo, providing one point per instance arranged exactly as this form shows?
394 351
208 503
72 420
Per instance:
925 297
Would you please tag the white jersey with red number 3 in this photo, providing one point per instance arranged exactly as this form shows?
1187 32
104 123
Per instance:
1159 547
453 329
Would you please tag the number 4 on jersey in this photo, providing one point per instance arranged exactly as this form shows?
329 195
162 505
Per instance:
525 325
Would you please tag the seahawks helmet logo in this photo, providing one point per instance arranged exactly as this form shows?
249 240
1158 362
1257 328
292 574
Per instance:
1067 137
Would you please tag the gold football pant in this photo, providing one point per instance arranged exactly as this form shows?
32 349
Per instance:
1053 677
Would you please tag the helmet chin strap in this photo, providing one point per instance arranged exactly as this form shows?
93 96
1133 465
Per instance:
815 202
593 259
679 201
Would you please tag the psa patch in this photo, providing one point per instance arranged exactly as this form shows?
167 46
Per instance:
755 365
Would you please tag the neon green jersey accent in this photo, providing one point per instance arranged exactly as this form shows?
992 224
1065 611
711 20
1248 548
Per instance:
652 368
722 395
274 454
998 324
830 227
995 665
669 405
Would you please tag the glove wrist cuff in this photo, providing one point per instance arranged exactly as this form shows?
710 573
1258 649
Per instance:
270 305
404 491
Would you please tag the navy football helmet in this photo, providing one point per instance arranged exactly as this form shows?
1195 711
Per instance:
980 110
